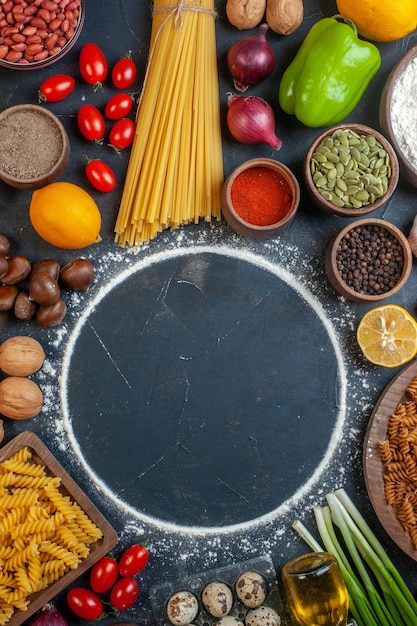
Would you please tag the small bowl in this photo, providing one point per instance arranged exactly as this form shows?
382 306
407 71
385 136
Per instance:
389 105
34 146
312 167
35 65
362 294
267 225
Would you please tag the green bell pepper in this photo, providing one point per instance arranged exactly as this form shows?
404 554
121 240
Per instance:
329 73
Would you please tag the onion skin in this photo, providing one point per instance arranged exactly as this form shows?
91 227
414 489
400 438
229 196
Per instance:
251 119
48 616
251 59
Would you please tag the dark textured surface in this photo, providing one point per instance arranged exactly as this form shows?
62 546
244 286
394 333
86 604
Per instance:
321 376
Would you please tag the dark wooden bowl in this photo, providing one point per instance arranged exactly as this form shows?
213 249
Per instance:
252 230
55 135
385 118
327 205
346 290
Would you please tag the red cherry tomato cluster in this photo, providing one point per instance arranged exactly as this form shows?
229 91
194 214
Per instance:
91 122
112 577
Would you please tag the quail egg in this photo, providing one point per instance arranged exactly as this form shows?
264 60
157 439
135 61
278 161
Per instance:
262 616
217 599
251 589
182 608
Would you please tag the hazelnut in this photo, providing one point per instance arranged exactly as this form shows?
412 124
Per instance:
20 398
21 356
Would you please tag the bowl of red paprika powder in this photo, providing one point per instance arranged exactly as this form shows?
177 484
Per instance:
260 198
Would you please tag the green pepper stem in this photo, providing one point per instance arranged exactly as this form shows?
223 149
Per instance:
342 18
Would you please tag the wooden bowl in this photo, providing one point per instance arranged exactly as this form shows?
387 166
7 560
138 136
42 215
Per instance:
240 221
311 167
34 146
390 111
360 293
54 57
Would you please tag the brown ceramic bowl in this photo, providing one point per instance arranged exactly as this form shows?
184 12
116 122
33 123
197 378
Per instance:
240 221
24 64
312 169
392 111
361 293
34 146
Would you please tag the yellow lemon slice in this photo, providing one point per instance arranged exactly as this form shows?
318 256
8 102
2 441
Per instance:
387 335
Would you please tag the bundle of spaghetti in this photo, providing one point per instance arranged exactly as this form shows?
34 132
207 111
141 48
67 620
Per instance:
175 169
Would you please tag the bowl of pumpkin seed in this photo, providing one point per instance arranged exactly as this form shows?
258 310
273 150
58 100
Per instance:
350 170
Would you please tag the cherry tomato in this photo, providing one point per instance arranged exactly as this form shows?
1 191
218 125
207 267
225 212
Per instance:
56 88
122 133
93 65
90 122
124 593
118 106
104 574
133 560
84 603
124 73
102 177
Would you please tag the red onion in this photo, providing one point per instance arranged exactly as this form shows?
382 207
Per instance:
250 119
251 59
48 616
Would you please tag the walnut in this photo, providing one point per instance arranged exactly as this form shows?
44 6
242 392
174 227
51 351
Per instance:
21 356
284 16
245 13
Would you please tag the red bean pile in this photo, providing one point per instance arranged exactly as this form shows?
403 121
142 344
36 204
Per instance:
370 259
34 30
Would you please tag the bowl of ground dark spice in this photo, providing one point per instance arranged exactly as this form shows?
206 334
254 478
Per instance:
369 260
350 170
260 198
36 34
398 113
34 146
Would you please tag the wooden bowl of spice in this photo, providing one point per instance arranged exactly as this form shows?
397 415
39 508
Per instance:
369 260
260 198
34 146
350 170
398 113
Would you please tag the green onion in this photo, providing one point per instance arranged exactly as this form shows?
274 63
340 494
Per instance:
378 596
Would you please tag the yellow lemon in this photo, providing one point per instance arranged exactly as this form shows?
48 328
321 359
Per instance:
381 20
65 215
387 335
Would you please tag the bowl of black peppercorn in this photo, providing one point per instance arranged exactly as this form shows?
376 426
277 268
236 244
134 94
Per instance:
369 260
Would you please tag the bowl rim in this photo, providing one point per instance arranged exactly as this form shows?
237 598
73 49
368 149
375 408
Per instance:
385 105
347 212
35 65
273 165
63 158
358 295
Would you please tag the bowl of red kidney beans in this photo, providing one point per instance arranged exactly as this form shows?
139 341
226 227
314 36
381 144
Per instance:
34 35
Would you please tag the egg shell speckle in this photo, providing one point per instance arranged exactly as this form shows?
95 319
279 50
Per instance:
251 589
228 620
262 616
217 599
182 608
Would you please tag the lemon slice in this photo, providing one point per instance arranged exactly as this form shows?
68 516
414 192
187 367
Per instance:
387 335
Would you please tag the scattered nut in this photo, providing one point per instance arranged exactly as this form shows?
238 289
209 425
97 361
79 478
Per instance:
24 308
8 295
52 314
20 398
18 269
77 275
43 288
50 266
1 431
4 246
21 356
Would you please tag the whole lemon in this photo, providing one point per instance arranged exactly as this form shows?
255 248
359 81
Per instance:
381 20
65 215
